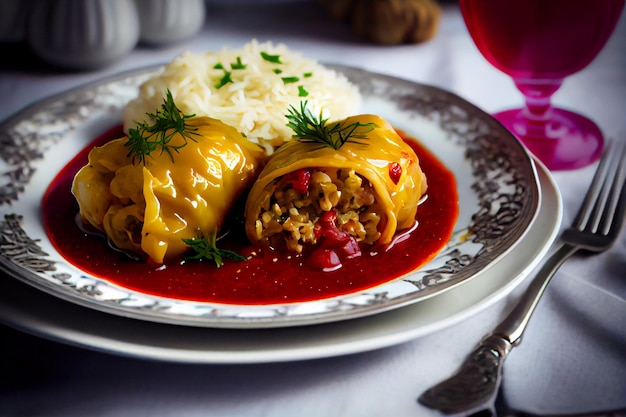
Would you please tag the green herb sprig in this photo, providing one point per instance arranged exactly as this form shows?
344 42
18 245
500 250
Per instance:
205 247
289 80
302 92
275 59
227 73
308 128
227 76
148 137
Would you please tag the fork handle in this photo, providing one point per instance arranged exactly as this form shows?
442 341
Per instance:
513 326
477 380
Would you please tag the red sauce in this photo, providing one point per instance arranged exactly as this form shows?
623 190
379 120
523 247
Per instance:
268 278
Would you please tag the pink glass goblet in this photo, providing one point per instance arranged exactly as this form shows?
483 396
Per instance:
539 43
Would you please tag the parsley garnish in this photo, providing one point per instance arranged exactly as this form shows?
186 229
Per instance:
288 80
226 78
302 91
146 138
271 58
205 247
238 65
308 128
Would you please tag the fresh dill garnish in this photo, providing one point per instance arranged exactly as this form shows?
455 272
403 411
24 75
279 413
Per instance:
205 247
271 58
302 91
146 138
308 128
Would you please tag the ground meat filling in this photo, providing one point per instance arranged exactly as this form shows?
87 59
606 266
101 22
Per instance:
298 200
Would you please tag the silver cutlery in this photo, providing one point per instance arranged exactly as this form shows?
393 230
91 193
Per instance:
595 228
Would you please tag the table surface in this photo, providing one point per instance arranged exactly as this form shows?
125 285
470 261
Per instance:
572 357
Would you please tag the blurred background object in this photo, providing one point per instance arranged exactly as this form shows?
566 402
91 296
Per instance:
82 34
86 35
165 22
387 22
13 16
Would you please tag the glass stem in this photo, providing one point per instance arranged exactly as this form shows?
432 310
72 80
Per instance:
537 94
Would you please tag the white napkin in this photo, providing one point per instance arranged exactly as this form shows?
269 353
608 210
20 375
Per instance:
575 360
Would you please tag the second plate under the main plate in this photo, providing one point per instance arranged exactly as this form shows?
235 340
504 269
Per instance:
35 312
497 184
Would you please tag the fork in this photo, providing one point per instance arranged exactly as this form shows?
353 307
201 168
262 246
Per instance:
595 228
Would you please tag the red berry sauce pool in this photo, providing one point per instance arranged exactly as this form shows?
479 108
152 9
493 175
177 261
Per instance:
267 278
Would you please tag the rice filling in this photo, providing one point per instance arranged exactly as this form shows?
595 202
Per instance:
289 214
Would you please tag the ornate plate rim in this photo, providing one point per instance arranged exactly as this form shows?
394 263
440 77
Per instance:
34 311
490 152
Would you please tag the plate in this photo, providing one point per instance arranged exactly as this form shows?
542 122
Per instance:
497 184
36 312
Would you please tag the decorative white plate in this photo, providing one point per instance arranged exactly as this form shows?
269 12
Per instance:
36 312
497 184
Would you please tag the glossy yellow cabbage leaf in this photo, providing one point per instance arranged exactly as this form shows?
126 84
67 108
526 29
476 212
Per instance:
148 208
371 157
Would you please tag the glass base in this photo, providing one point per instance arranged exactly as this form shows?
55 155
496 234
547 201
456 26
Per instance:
568 141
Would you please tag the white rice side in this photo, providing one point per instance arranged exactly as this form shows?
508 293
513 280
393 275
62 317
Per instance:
257 100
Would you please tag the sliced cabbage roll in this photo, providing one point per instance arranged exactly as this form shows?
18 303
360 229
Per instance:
359 185
147 203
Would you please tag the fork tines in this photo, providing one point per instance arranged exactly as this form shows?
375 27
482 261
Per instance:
603 193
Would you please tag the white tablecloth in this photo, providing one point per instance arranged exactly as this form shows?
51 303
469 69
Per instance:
572 358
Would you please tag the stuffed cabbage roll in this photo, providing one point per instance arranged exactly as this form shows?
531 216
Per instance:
336 186
149 196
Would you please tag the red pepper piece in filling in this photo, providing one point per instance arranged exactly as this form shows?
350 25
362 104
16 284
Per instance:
334 244
327 228
300 180
395 172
